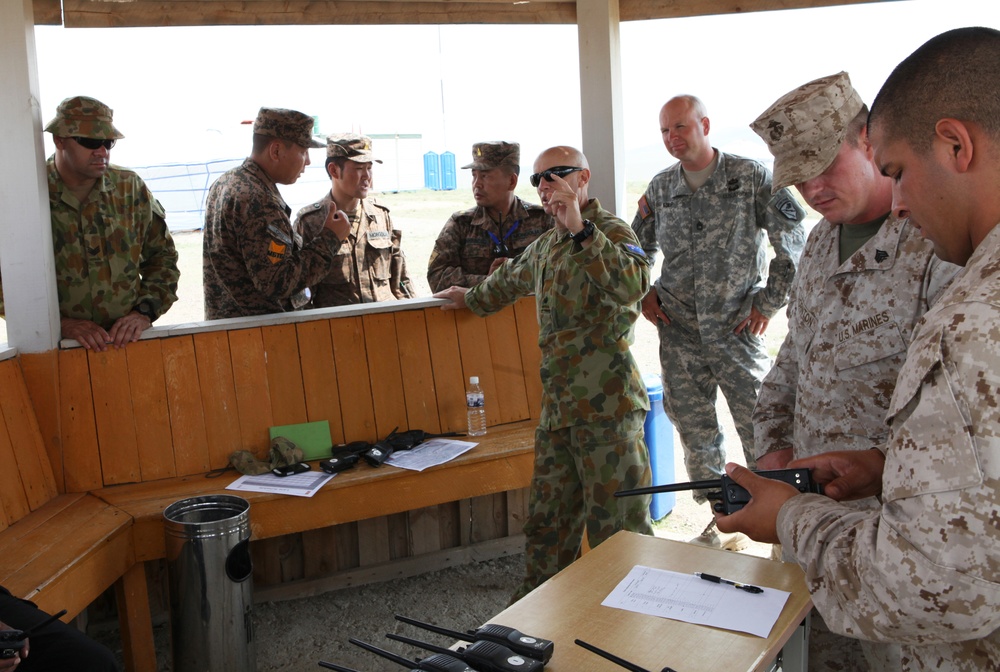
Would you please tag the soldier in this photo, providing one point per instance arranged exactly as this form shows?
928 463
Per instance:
710 214
588 275
473 243
865 279
922 569
369 265
116 265
253 262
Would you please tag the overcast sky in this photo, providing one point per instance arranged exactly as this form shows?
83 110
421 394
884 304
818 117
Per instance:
179 94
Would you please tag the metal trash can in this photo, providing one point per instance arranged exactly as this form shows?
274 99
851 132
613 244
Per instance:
659 435
211 591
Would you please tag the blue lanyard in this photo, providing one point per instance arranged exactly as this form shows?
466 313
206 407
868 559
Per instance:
498 241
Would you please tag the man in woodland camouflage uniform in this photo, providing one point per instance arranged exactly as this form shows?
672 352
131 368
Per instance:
116 266
253 262
473 243
922 569
369 265
864 281
588 275
710 214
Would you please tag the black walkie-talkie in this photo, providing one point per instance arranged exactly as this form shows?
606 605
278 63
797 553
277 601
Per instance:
12 641
436 663
482 655
515 640
632 667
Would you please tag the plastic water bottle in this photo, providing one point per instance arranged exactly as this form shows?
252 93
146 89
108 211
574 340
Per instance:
476 403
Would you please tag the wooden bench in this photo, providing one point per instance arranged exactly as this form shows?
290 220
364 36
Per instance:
136 429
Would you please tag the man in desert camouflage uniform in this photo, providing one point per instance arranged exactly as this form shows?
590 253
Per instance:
588 275
473 243
922 569
116 266
369 265
253 262
710 214
864 281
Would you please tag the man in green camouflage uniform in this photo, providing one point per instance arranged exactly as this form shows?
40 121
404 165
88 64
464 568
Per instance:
254 263
116 266
588 275
369 265
710 214
473 243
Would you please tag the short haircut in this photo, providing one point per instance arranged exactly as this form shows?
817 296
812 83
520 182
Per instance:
954 75
262 142
339 161
853 134
695 103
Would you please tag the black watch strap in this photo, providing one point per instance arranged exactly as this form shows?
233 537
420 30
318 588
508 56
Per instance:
143 308
583 234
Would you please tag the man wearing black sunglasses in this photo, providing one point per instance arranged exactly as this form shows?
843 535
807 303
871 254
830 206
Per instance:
588 275
115 262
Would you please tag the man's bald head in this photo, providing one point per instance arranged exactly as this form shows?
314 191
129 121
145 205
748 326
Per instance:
560 156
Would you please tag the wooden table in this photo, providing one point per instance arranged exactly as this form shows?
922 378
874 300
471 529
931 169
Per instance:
568 607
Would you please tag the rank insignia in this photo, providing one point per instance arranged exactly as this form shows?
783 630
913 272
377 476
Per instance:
733 184
881 255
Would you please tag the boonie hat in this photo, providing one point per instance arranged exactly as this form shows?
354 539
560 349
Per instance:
489 155
83 117
805 128
352 146
287 125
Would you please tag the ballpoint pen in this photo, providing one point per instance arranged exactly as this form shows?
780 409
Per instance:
735 584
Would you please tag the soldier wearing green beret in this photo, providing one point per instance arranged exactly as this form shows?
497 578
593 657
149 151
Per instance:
116 265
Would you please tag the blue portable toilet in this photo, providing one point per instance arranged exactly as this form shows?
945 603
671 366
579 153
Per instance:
449 180
432 171
659 434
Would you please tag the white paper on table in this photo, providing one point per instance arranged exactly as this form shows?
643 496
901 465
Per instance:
305 484
685 597
429 454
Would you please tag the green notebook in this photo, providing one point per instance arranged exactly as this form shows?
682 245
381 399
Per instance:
312 437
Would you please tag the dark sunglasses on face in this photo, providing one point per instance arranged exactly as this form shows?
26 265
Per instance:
561 171
94 143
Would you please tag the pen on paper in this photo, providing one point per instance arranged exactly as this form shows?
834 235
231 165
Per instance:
735 584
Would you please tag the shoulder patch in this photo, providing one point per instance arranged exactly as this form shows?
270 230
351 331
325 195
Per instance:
787 208
644 209
635 249
275 252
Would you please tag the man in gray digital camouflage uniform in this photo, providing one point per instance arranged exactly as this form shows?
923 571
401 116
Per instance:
369 265
473 243
710 215
253 262
865 279
922 569
588 275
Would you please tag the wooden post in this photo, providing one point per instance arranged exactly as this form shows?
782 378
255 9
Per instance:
29 275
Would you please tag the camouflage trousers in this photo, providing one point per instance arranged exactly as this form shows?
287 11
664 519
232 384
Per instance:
577 470
693 373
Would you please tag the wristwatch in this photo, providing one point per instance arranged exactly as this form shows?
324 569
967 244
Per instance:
583 234
143 308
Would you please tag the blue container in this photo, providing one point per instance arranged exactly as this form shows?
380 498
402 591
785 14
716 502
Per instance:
660 440
449 180
432 171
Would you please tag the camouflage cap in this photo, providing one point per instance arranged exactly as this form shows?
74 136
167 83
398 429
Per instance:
83 117
287 125
489 155
352 146
805 128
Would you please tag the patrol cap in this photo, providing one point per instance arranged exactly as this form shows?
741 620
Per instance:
351 146
489 155
805 127
287 125
83 117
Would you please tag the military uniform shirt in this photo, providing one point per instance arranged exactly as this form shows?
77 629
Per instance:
253 262
113 250
463 251
924 569
712 241
587 301
848 329
369 265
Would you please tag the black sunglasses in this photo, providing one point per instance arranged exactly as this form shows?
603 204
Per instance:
561 171
94 143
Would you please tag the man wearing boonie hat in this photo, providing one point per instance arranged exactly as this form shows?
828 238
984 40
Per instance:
473 243
712 214
253 261
865 279
111 296
369 265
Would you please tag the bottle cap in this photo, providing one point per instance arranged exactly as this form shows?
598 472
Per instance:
474 380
